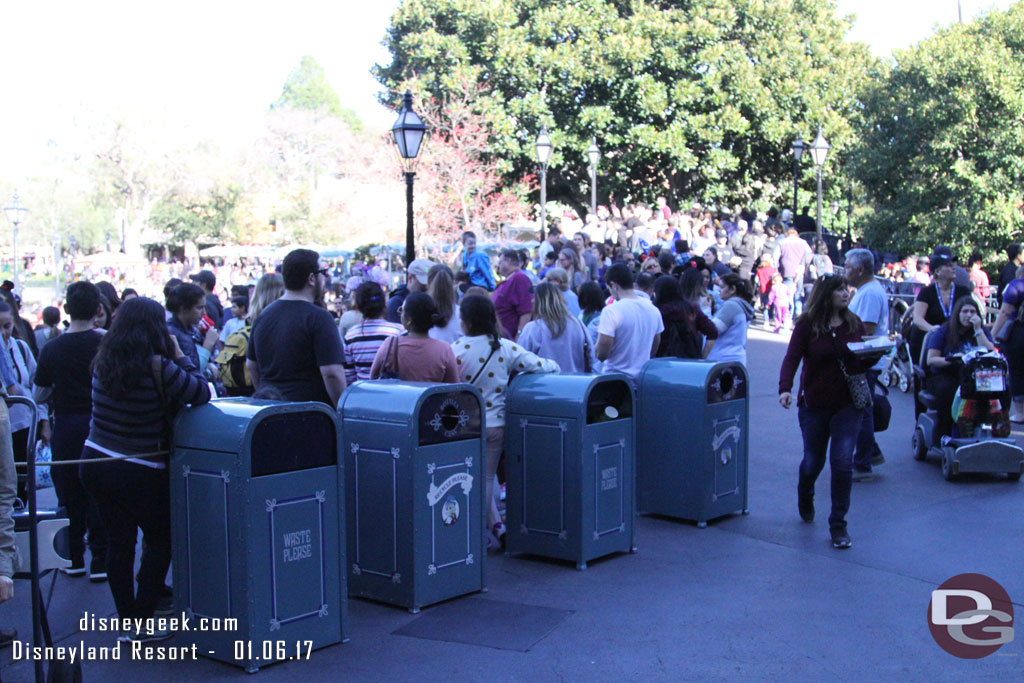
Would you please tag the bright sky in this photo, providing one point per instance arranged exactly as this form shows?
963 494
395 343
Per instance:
213 66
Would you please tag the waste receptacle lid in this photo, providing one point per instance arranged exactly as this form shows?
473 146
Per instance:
660 373
392 400
224 424
560 395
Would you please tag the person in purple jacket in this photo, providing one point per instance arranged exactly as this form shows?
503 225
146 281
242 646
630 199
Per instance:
825 408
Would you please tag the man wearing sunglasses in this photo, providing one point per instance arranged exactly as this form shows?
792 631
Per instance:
294 346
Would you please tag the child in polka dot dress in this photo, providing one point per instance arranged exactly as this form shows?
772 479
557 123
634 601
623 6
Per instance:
487 361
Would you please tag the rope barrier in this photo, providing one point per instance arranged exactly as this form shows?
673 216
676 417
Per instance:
106 458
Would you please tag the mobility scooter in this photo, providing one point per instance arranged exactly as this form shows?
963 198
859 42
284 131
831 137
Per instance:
981 441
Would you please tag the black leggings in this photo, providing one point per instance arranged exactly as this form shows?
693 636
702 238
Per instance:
130 497
69 433
19 444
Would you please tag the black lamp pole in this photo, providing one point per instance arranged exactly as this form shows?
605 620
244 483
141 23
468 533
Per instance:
410 239
798 151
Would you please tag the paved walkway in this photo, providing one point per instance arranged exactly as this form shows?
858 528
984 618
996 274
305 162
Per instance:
756 597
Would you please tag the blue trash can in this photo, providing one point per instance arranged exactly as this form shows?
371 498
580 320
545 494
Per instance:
258 505
569 456
414 455
693 439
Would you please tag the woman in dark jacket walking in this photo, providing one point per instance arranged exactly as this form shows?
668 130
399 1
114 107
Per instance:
140 380
824 405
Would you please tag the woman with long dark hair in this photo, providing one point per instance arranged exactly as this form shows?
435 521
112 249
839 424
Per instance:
441 288
964 331
140 380
22 329
825 407
486 360
23 363
591 300
685 325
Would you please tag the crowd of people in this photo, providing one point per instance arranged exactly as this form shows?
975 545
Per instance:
625 289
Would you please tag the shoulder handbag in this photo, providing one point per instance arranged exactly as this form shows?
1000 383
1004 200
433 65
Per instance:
586 346
860 390
481 370
881 408
391 362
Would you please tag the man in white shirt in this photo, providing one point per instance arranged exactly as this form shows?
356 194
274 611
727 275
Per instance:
871 305
630 328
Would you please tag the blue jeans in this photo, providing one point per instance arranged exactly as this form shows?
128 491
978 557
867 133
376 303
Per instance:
818 426
866 445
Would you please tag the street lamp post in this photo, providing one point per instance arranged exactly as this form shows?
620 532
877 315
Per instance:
56 265
849 215
408 133
544 148
798 151
595 155
15 214
819 152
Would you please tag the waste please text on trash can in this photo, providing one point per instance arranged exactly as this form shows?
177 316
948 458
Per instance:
414 457
692 439
569 454
258 530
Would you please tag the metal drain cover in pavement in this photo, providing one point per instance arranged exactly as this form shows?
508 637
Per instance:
490 623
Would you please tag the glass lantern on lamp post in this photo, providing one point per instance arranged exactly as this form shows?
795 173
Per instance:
408 133
819 152
543 148
16 212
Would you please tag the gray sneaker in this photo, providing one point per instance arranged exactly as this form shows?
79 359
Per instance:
862 475
147 636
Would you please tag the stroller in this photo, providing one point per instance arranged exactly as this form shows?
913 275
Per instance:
899 368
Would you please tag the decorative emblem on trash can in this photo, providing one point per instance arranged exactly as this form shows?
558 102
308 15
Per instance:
450 511
449 418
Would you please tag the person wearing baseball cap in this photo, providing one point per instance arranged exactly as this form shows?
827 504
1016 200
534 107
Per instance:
961 277
415 281
934 303
214 308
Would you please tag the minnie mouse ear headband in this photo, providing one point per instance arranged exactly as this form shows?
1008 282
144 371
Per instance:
695 262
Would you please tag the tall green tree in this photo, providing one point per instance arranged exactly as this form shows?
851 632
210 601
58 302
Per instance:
694 99
942 153
208 216
307 89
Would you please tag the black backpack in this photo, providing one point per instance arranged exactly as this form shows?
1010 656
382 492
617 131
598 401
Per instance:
680 341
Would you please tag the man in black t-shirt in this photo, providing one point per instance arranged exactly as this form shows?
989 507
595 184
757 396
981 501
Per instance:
64 380
294 346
